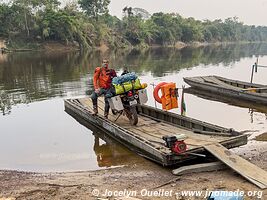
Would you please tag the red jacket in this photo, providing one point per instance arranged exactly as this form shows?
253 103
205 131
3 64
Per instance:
103 77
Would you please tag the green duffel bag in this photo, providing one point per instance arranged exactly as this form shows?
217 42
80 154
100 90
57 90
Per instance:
127 86
137 84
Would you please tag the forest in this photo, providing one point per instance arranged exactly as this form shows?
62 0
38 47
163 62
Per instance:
88 24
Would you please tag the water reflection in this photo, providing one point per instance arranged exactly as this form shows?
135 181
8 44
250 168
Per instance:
3 58
38 82
42 137
31 76
108 152
252 107
160 61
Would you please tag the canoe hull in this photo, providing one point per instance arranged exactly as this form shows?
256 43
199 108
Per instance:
229 92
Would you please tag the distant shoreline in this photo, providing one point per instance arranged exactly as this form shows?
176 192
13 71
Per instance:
60 47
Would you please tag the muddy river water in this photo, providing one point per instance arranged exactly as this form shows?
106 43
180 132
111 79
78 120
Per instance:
37 135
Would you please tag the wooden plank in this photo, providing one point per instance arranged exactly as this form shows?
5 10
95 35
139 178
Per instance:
190 134
158 129
149 127
178 120
204 167
146 127
123 121
88 104
248 170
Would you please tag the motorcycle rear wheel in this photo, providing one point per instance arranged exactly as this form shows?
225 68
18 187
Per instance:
132 115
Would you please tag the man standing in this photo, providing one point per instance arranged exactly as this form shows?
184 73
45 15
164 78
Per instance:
102 84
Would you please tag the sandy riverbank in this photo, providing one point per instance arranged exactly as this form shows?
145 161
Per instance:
139 175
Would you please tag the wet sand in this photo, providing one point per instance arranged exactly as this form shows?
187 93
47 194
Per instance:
143 174
262 137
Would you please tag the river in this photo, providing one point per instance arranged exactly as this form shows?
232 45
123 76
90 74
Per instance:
38 135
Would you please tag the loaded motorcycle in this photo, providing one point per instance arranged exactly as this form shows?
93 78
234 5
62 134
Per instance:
126 104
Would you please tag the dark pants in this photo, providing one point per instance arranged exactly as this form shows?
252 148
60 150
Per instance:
107 94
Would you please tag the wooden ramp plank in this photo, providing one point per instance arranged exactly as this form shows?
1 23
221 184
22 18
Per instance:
248 170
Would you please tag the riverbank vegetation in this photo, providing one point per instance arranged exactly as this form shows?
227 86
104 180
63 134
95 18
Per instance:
88 24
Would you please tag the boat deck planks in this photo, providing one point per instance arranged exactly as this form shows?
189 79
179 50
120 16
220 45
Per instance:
251 172
154 130
146 137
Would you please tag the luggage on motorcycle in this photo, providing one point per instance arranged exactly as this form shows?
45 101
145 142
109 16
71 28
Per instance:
124 78
115 103
142 96
144 85
169 96
127 86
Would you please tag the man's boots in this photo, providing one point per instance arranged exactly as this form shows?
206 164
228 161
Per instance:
106 115
95 109
106 108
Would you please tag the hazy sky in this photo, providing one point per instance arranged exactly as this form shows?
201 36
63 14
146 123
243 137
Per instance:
248 11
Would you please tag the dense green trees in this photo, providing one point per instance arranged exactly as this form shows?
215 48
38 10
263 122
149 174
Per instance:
89 24
167 29
94 8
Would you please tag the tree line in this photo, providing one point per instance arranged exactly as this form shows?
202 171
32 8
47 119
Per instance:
88 24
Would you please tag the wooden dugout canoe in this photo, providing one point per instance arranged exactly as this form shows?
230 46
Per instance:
255 93
146 137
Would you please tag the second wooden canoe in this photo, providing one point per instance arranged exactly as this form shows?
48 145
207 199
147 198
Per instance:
255 93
